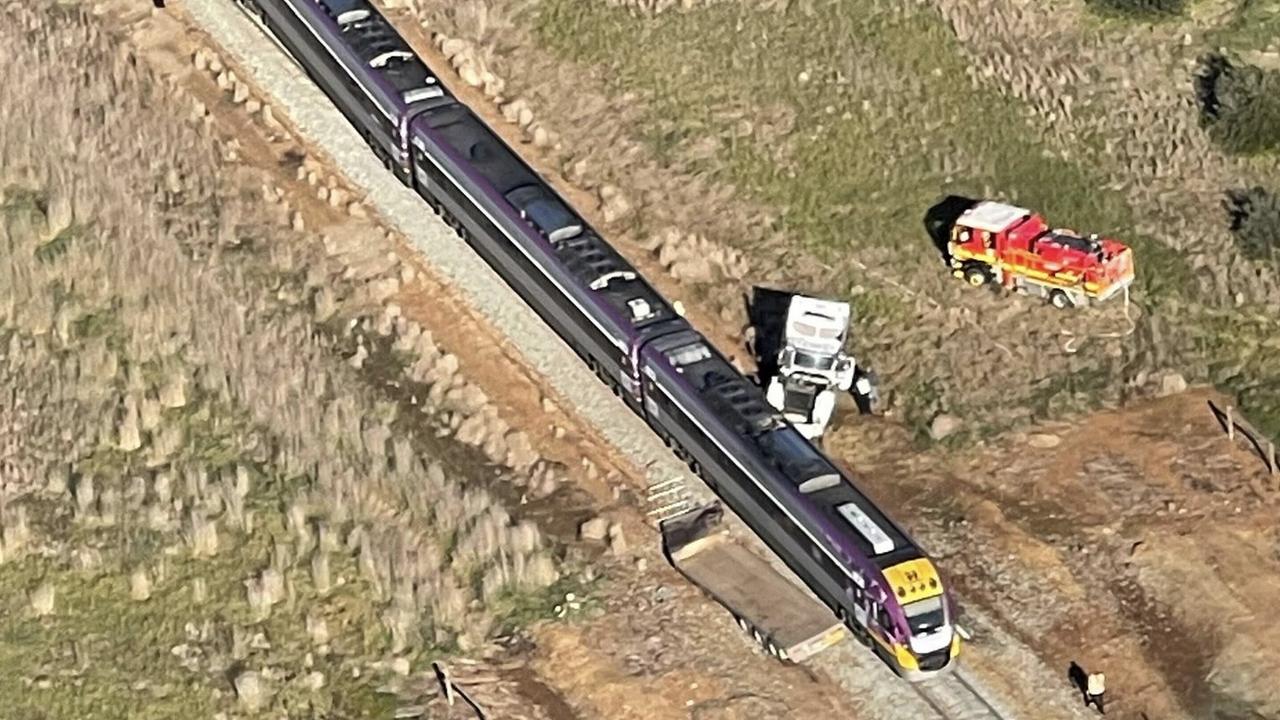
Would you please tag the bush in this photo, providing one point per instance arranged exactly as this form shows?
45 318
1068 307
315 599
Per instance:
1239 104
1139 8
1255 221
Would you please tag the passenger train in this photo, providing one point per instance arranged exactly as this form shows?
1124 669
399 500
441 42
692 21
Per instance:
858 561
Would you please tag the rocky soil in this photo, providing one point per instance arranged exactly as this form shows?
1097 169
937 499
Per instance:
1119 542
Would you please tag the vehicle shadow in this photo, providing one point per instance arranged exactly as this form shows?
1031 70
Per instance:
767 312
939 218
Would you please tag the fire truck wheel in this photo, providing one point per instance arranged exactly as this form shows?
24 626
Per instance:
1059 299
976 275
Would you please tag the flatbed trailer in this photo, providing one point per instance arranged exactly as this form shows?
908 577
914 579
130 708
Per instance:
784 619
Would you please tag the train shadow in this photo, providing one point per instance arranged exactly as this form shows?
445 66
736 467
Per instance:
939 218
767 312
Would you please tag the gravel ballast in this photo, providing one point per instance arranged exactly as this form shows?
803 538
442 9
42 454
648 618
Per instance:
440 248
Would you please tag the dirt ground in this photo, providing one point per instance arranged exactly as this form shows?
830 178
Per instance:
1140 543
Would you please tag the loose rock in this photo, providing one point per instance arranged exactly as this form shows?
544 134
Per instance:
594 530
944 426
520 453
613 204
1043 441
1172 383
251 690
617 541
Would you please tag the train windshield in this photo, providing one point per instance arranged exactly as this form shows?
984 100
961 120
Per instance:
925 616
814 362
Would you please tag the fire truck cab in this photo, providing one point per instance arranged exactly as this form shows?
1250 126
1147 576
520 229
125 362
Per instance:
994 242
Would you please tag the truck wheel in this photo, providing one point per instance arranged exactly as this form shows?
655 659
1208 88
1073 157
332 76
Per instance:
1060 300
976 275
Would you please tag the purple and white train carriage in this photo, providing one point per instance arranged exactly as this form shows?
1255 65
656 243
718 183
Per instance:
862 565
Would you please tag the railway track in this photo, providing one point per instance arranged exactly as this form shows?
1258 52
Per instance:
953 697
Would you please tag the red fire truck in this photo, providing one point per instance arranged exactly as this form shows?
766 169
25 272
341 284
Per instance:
993 242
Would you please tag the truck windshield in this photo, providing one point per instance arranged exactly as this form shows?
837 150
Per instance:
813 362
925 615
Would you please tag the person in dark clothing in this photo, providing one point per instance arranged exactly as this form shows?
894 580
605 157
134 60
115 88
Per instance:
1079 680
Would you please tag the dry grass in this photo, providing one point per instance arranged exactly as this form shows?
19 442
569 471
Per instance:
177 427
816 135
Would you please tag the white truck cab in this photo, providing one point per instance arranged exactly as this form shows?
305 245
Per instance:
812 365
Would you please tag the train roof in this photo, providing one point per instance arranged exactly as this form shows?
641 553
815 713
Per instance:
593 263
385 54
874 533
737 402
826 493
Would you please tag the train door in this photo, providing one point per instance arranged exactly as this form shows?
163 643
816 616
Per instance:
859 605
404 166
631 375
650 395
409 150
878 621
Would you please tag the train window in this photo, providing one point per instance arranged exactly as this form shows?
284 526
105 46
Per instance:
853 592
925 615
882 618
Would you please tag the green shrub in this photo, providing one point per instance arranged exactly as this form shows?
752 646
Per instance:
1139 8
1239 104
1255 221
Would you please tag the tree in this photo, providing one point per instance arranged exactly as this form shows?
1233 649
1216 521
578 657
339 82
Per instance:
1255 222
1139 8
1239 105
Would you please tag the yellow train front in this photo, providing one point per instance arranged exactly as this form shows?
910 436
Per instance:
910 620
